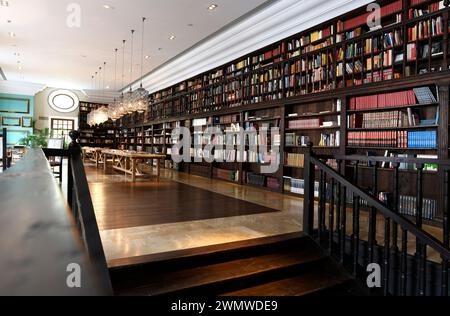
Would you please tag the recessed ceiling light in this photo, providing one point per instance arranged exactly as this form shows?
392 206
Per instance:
147 57
12 34
172 37
107 87
20 67
107 6
212 7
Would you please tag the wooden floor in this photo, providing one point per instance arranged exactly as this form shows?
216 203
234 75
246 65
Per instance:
126 204
184 211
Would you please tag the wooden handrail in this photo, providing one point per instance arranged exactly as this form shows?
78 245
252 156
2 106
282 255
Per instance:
80 201
39 236
334 187
4 157
422 235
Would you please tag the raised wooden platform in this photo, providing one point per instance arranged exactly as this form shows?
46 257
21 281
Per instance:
123 205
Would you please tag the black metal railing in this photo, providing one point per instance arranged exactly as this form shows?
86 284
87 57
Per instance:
4 156
355 253
80 202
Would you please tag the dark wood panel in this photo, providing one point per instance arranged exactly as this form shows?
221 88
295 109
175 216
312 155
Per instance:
123 205
317 278
234 270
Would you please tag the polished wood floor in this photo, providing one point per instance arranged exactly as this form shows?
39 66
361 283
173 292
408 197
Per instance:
126 204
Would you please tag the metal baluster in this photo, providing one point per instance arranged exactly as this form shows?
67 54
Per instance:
343 224
387 255
331 217
446 228
324 204
356 223
320 205
423 271
419 224
373 217
395 248
338 209
356 235
404 264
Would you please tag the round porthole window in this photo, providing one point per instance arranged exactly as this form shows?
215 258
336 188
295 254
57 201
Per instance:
63 101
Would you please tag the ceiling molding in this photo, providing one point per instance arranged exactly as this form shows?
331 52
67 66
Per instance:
98 96
279 20
21 88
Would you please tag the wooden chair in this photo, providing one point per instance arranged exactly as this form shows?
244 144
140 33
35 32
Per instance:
56 163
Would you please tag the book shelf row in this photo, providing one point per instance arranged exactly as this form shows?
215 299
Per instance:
345 52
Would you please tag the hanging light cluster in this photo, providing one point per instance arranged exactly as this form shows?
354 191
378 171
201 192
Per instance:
132 101
99 116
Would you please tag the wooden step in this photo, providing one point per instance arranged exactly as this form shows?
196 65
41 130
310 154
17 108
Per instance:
314 280
212 278
139 274
207 251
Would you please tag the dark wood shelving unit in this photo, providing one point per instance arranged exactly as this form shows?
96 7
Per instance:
104 135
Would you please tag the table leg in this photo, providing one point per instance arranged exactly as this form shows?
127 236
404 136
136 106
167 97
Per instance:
133 170
105 159
158 170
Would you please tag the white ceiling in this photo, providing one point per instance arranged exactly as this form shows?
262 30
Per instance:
53 54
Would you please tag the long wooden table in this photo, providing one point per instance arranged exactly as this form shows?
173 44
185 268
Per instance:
92 154
127 161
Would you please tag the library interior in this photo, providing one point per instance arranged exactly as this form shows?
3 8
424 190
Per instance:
258 148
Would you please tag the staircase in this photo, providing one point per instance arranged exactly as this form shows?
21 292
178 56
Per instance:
290 265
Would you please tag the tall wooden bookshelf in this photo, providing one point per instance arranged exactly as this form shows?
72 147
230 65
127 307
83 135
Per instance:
96 136
306 84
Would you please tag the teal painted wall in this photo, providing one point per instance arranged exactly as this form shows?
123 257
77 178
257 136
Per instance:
13 110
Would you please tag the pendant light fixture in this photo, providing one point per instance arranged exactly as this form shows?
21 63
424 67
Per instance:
141 95
129 96
112 108
121 105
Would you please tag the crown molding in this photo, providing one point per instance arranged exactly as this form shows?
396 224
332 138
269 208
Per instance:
21 88
273 23
98 96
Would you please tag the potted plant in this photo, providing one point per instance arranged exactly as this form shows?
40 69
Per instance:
37 140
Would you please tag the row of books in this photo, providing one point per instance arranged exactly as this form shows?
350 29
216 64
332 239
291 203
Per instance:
383 119
408 206
295 160
425 29
330 139
230 175
394 139
297 186
433 7
389 139
294 140
305 123
394 99
422 139
386 10
385 59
